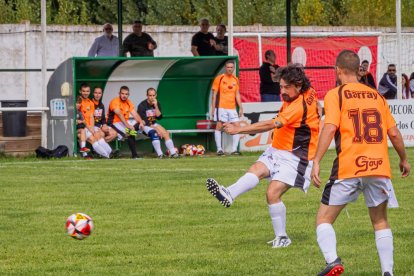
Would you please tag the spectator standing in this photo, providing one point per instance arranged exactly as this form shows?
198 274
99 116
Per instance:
139 43
203 43
360 121
367 77
406 94
288 162
222 41
226 97
106 45
120 110
388 83
150 111
269 85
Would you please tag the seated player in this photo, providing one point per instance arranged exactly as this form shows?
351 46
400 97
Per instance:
119 113
150 112
101 127
80 128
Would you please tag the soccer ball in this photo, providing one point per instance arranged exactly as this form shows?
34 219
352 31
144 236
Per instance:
200 150
79 226
183 149
189 150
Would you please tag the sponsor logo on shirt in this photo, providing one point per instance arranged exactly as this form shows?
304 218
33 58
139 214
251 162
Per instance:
367 163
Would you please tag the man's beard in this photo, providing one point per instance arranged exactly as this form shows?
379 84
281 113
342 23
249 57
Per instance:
288 99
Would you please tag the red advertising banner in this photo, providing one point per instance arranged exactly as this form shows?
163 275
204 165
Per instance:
317 54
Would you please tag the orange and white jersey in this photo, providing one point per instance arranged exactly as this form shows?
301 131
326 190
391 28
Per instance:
226 87
125 106
362 118
300 130
87 109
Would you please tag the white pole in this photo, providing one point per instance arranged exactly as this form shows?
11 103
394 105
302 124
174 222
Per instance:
398 65
230 25
44 67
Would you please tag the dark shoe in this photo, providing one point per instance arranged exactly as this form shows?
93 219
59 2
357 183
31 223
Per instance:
219 192
333 269
220 153
235 153
175 156
114 154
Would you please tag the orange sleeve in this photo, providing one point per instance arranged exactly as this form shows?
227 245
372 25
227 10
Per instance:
131 105
114 105
216 83
290 114
332 110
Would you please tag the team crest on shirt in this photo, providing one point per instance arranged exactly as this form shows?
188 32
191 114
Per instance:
367 163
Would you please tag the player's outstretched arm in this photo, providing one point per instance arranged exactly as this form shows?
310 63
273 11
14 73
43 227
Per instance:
397 141
327 133
258 127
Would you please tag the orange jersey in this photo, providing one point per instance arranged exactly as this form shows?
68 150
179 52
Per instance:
125 106
87 109
362 118
226 87
300 130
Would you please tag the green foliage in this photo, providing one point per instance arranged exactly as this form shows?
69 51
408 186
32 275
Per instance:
311 12
155 217
189 12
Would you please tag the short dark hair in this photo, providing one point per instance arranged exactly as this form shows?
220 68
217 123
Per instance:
137 22
223 26
293 74
78 99
365 61
84 85
97 87
391 65
151 88
124 88
268 53
348 61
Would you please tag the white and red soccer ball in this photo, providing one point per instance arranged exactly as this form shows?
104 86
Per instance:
191 150
79 226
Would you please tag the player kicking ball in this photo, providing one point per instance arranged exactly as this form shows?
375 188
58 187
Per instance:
288 162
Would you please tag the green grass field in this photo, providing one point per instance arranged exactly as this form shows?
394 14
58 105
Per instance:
156 217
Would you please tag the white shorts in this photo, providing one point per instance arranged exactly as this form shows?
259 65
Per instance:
88 133
376 190
226 115
120 127
286 167
147 129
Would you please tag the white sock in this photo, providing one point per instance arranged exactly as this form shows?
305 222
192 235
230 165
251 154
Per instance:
157 146
243 185
385 247
325 234
100 150
278 215
105 146
217 137
83 144
236 139
170 146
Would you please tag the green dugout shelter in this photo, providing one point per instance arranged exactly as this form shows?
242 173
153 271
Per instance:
183 85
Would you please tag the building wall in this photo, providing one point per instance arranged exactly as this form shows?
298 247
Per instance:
21 48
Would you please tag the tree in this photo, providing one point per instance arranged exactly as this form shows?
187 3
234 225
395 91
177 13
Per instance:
311 12
7 14
370 13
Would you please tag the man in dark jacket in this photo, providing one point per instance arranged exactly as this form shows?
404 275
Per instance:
269 85
388 83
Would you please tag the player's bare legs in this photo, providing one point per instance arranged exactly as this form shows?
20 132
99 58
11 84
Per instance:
164 134
235 140
383 237
326 238
277 211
